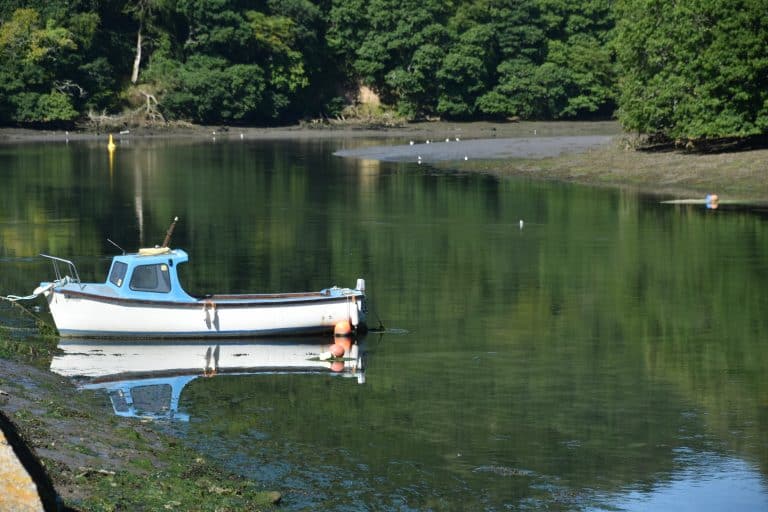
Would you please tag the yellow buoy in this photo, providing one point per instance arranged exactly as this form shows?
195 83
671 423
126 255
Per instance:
111 146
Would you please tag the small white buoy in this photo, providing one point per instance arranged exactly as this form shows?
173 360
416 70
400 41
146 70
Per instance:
411 143
465 157
427 141
241 136
457 139
521 223
447 139
534 132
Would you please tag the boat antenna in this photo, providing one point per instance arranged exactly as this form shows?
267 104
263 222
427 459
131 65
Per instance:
113 243
169 233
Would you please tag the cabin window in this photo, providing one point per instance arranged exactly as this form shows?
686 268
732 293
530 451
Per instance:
118 273
151 278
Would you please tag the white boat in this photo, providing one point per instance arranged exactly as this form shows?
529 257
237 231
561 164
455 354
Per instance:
143 298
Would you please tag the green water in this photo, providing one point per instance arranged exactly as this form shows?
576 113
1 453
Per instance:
611 354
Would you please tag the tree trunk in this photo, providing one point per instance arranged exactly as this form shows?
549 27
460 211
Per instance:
137 60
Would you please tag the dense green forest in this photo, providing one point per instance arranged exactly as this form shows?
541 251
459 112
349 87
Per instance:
681 69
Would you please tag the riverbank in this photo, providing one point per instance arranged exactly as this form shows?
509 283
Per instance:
547 152
417 131
97 461
736 177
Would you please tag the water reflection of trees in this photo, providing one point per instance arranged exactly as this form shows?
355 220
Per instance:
615 321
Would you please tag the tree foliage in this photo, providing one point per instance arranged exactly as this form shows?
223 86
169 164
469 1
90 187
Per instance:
31 50
695 69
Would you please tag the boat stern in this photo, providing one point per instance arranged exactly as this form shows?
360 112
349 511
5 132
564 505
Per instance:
358 316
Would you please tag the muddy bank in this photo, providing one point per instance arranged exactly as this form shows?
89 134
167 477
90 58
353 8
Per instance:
590 153
737 177
97 461
595 156
458 149
418 131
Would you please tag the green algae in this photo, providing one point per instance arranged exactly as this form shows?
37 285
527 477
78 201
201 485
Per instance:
185 482
103 463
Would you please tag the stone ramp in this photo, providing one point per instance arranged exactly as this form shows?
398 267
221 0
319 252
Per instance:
24 484
17 490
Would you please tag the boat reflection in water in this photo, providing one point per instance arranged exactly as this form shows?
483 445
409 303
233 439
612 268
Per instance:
145 379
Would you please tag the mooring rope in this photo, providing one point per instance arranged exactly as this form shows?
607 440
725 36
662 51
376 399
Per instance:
35 294
40 290
18 305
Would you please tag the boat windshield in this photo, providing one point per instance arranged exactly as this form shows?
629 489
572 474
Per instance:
151 278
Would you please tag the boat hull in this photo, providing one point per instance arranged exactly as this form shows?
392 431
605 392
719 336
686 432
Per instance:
78 314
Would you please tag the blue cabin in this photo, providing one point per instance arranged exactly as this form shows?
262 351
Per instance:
150 274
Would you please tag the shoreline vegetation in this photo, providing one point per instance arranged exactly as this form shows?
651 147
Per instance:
97 461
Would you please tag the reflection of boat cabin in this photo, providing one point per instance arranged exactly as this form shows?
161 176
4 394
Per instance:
147 398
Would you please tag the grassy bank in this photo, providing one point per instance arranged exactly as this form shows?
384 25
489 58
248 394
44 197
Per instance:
98 461
734 176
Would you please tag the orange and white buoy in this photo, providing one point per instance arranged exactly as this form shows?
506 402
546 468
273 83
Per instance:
342 328
334 351
337 350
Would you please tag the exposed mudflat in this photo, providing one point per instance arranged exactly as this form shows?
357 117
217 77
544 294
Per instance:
416 131
465 149
591 153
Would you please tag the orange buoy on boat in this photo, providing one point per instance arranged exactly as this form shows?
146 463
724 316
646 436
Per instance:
337 350
342 328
